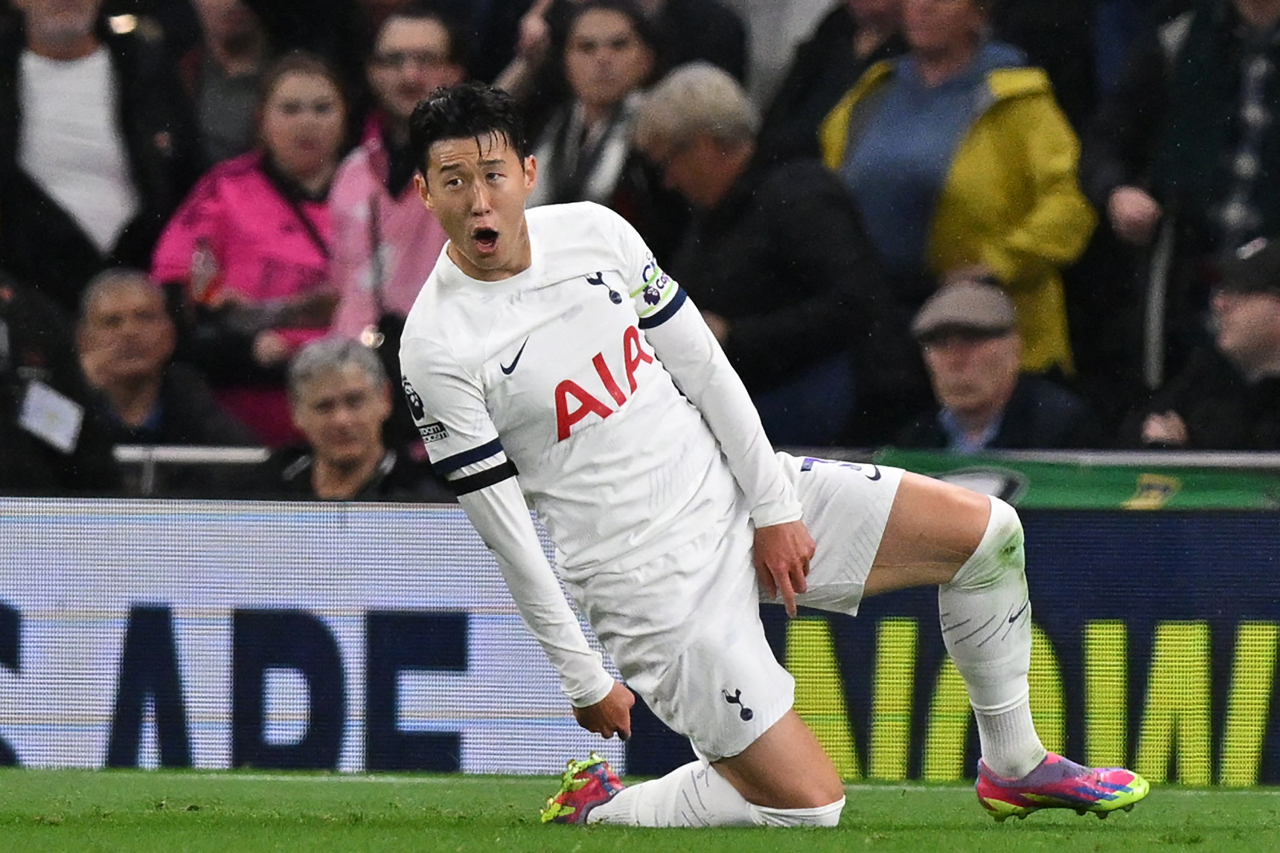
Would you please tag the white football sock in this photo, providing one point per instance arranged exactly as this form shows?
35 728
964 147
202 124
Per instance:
697 795
692 795
986 625
828 815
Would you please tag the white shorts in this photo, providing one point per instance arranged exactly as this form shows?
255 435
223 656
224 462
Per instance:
685 630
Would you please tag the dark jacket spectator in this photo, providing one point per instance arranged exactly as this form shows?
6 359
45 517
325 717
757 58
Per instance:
1219 409
1188 140
776 260
52 440
982 400
1228 395
45 240
126 340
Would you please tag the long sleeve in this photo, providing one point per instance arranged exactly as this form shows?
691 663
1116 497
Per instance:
500 516
690 353
448 407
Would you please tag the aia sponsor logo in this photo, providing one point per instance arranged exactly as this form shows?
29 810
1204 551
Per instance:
574 403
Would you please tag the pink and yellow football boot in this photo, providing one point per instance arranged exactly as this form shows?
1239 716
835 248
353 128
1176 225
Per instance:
583 786
1058 783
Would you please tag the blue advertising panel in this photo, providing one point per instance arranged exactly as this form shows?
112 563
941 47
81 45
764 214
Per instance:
377 637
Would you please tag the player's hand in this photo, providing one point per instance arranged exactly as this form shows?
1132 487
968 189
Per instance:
782 554
610 716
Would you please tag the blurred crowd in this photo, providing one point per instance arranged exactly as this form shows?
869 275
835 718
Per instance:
950 224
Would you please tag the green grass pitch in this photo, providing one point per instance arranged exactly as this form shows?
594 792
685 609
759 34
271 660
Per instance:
176 812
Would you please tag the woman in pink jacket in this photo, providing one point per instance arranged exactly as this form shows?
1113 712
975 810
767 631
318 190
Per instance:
249 249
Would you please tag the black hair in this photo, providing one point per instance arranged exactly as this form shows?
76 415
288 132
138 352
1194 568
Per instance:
640 23
469 110
424 10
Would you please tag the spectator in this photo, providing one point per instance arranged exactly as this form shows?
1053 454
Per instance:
688 30
385 241
223 77
1228 396
340 398
983 400
961 160
250 247
585 153
53 442
1189 142
776 260
852 37
126 340
95 147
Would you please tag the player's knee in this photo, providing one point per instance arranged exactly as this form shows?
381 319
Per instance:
825 815
1000 554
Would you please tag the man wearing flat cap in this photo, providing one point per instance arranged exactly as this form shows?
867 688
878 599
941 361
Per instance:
1228 396
971 346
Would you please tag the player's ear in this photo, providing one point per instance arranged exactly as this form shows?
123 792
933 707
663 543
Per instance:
420 184
530 168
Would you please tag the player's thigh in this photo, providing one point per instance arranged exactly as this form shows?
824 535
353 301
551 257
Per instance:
932 529
785 768
846 508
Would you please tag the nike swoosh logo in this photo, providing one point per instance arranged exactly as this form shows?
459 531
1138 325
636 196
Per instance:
1014 617
877 476
508 368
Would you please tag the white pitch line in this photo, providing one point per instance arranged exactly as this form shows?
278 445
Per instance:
356 778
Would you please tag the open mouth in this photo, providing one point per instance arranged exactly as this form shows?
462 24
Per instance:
486 239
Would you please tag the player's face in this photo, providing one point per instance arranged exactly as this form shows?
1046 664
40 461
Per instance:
341 413
477 188
410 61
1247 326
972 373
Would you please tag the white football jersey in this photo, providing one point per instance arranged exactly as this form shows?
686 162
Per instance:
548 375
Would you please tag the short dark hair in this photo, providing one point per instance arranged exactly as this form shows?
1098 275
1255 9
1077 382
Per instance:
469 110
424 10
